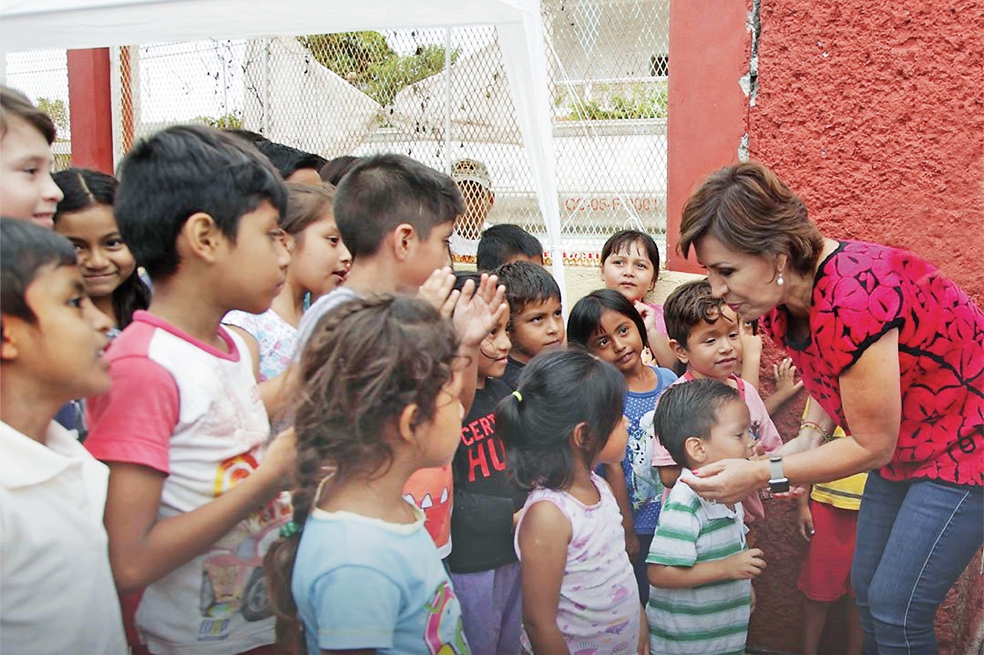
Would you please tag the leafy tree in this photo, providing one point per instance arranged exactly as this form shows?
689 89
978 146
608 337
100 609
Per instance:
369 63
57 110
227 122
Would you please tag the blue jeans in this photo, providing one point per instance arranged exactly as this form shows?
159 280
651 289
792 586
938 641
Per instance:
914 539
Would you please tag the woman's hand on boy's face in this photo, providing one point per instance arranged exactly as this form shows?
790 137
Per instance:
728 480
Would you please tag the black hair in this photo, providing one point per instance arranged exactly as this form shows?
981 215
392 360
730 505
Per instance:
624 239
585 319
460 277
690 304
500 243
333 171
384 191
366 361
84 188
182 170
248 135
26 248
558 390
690 410
288 160
15 104
526 283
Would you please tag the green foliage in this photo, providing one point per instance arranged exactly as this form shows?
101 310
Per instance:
348 52
367 61
641 103
227 122
56 110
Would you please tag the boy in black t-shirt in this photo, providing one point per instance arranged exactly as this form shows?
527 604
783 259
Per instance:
483 561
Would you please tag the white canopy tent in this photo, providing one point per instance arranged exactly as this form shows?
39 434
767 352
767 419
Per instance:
57 24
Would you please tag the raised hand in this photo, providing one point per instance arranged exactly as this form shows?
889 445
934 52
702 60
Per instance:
785 374
751 343
477 311
437 290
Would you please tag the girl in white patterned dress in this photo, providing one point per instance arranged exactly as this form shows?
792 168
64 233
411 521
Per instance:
319 263
579 592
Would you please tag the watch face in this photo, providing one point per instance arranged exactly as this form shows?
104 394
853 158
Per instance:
779 486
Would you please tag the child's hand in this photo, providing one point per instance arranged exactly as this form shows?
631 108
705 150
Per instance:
805 520
437 291
477 311
648 315
752 608
785 373
795 492
745 565
751 343
280 460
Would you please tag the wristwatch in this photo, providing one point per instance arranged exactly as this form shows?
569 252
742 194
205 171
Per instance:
778 483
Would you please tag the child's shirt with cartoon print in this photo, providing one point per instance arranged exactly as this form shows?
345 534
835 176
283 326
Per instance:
645 490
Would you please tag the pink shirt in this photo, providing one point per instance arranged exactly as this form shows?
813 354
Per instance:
861 292
193 412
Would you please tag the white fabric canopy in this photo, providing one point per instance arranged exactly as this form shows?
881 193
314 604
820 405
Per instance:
58 24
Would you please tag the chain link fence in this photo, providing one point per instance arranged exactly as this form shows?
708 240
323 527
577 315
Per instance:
435 95
43 76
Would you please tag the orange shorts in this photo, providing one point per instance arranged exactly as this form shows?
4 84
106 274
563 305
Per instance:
826 572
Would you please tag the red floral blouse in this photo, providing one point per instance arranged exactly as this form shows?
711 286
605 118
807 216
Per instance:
862 291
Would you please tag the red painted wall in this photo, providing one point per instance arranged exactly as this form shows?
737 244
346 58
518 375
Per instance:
708 113
90 101
874 114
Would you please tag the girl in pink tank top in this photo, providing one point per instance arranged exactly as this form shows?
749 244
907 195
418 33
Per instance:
578 587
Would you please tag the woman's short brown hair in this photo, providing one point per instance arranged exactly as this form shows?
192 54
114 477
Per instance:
749 209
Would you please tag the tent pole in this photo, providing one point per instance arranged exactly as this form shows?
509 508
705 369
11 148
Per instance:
447 100
266 88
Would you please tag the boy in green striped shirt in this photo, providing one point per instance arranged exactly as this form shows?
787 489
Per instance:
699 565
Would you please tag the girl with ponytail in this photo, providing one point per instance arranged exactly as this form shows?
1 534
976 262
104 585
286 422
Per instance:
579 591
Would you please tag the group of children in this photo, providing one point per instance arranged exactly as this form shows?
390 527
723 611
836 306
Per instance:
456 469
